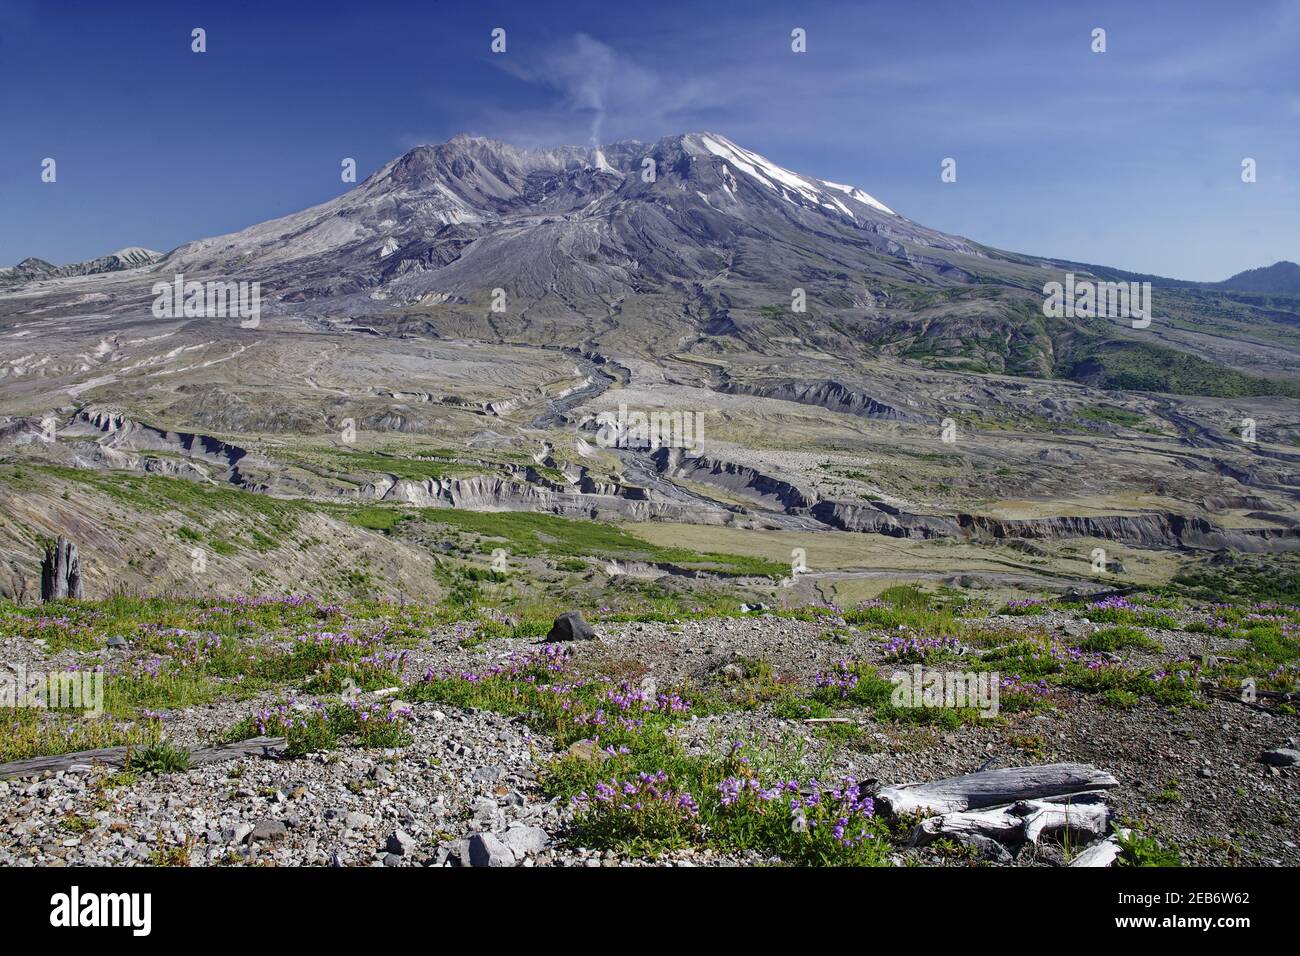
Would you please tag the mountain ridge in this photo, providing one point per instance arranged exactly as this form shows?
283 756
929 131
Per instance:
1282 277
489 174
129 257
696 245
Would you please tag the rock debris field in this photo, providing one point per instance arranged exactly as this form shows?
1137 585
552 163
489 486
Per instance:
766 738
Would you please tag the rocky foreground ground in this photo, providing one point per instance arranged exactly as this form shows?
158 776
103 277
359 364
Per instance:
480 773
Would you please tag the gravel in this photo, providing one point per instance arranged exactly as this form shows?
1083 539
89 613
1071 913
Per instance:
466 791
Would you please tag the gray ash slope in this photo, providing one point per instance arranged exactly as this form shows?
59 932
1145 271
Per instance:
591 254
466 216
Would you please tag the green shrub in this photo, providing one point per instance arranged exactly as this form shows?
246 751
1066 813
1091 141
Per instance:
1139 850
1117 638
161 757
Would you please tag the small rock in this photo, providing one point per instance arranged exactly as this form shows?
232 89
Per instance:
523 840
570 626
1050 854
987 847
458 854
588 751
1281 757
401 843
270 830
486 849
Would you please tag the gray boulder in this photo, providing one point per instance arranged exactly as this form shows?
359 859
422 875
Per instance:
1281 757
523 839
238 833
487 849
270 830
400 843
570 626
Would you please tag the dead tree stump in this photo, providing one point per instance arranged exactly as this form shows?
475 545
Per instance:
61 571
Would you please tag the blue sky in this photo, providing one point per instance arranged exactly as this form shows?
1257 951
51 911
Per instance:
1128 158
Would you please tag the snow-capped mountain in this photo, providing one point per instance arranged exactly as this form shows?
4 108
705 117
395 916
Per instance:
455 220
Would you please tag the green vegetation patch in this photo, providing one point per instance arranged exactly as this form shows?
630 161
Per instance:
1118 638
1140 366
1110 414
321 727
436 464
635 788
527 534
32 732
1263 580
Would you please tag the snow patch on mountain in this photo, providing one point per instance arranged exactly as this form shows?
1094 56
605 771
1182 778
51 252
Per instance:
779 179
600 162
860 196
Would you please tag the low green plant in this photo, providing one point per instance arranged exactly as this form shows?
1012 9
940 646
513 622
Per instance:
162 757
1117 638
1139 850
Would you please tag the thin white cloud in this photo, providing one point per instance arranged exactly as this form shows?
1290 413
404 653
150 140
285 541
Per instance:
609 93
592 78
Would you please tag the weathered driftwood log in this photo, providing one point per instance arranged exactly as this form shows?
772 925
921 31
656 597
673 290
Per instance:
997 824
1084 814
116 757
61 571
1103 853
1087 816
991 788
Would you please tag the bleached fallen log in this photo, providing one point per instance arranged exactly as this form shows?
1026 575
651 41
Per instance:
997 824
1102 853
991 788
1088 816
116 757
1029 820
